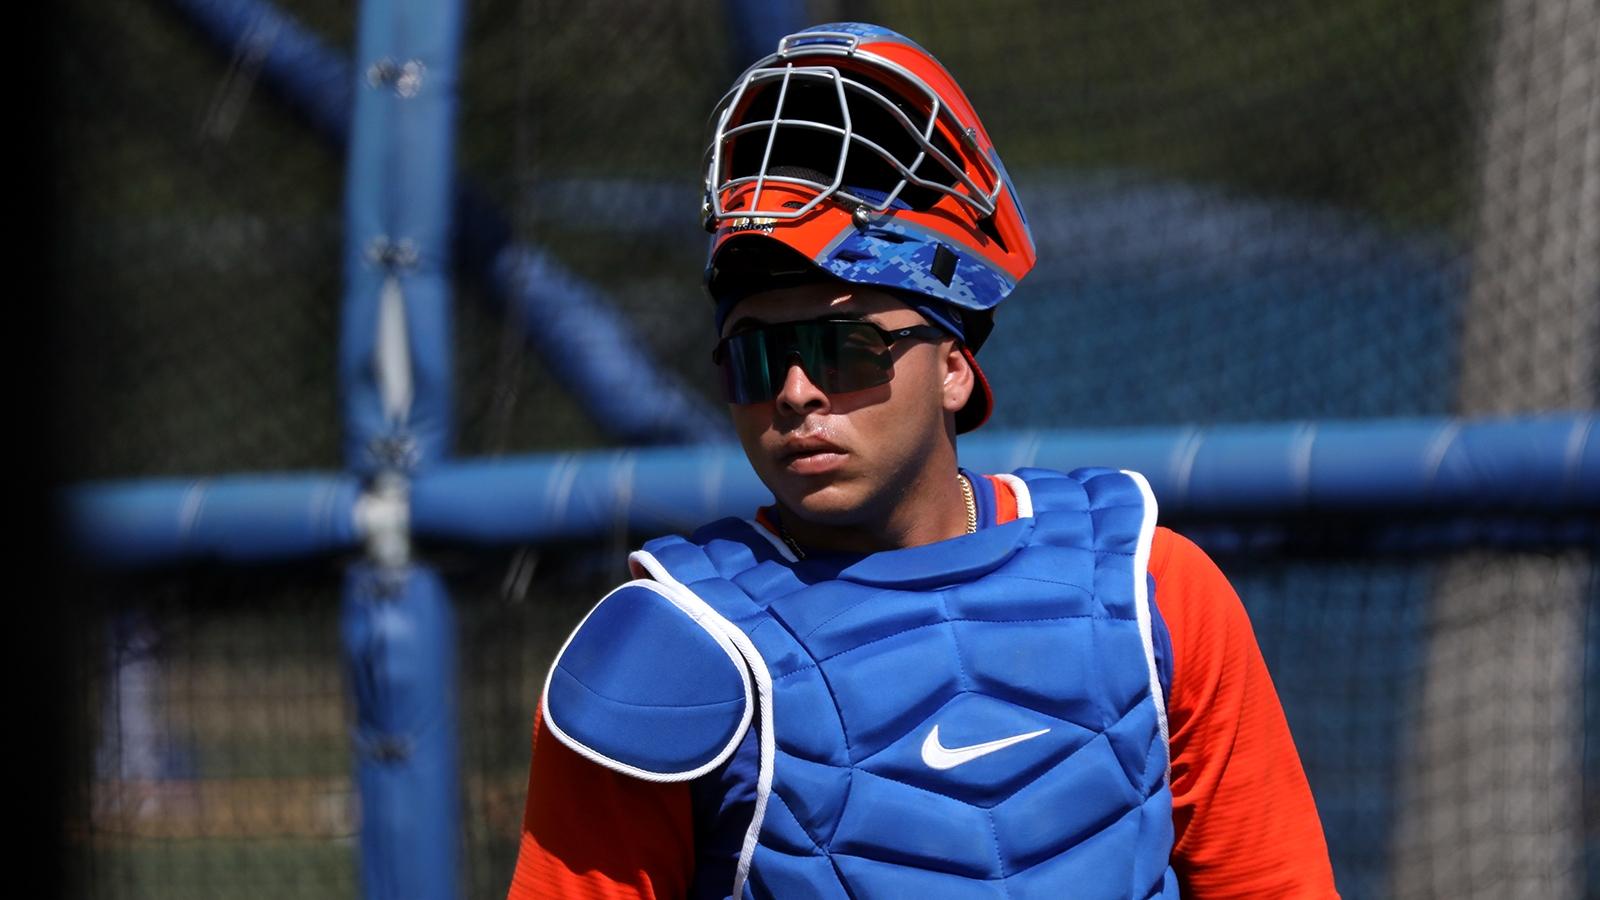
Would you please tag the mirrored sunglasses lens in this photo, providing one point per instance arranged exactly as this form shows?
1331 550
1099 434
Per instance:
857 358
836 356
745 369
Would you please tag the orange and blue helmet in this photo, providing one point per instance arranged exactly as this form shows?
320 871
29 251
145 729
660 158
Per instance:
852 153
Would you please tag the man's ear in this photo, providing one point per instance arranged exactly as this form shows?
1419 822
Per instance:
958 378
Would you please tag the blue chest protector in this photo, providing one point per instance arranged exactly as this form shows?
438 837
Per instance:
976 718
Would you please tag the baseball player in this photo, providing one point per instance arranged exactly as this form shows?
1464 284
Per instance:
903 678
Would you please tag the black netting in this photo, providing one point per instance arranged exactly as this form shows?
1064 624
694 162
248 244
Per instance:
1244 212
218 757
199 259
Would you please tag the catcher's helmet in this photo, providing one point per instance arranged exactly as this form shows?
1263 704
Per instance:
852 153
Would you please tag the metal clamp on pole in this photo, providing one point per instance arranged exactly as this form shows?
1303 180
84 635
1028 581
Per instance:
383 520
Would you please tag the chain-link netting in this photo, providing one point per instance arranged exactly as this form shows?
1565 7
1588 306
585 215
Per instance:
219 745
1244 212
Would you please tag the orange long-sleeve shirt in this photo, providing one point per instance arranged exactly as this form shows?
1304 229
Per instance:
1244 821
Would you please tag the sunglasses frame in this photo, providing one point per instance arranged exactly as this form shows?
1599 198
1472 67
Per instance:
889 336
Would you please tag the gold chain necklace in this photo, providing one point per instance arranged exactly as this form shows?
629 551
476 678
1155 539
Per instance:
972 503
966 496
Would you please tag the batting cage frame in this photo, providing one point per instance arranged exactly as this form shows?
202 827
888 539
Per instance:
1514 471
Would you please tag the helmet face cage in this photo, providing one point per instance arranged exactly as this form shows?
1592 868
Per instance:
782 122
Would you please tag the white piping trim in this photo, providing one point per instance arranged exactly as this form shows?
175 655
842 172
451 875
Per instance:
697 610
763 676
1300 454
1437 449
776 542
1181 460
1141 606
1570 460
1020 489
194 500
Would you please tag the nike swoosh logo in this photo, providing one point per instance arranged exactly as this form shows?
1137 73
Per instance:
938 756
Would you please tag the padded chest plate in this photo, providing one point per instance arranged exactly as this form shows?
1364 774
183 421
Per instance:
972 713
978 717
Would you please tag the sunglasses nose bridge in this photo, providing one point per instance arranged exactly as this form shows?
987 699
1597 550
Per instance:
794 359
795 385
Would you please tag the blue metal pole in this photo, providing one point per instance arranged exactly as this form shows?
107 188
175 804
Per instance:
311 77
230 518
399 636
395 344
394 371
1542 467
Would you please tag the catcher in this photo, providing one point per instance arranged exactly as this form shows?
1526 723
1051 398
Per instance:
903 678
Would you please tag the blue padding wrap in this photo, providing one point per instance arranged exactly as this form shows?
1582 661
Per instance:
649 689
399 637
399 197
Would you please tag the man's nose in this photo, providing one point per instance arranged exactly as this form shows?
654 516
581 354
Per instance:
798 394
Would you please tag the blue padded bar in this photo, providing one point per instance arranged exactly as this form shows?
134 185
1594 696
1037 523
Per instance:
398 205
237 518
295 63
559 496
1535 466
400 649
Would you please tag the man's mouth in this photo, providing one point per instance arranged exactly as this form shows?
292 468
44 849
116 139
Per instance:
810 456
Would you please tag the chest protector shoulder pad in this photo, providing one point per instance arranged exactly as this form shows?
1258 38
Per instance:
645 687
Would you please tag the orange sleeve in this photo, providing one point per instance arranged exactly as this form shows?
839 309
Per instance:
589 833
1245 823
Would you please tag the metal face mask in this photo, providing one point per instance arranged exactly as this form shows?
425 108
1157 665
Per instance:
854 148
889 153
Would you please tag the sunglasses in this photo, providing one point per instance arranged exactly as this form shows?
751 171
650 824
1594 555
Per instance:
837 355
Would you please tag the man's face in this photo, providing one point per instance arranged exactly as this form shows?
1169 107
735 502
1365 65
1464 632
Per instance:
849 458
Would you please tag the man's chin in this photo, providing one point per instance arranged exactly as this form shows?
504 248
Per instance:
821 501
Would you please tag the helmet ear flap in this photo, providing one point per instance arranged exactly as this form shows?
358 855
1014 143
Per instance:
980 324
